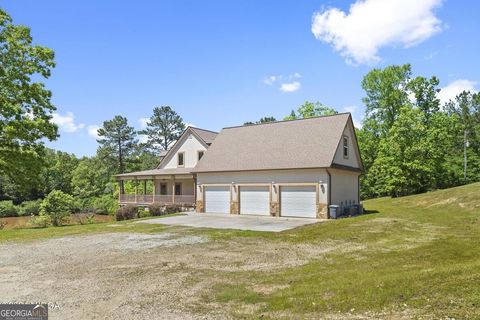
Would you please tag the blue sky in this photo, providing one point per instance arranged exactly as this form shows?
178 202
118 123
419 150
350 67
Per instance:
221 63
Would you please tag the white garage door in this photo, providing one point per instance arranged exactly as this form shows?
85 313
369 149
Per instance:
255 200
217 199
298 202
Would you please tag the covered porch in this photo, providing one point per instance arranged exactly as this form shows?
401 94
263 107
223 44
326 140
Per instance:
162 186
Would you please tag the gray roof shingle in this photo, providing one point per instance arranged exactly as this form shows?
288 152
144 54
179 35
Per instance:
305 143
205 135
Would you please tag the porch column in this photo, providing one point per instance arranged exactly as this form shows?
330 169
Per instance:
153 191
119 190
144 187
173 189
136 189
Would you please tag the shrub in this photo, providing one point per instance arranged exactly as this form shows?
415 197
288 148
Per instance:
143 212
156 209
105 204
90 218
80 218
58 206
160 210
173 208
8 209
84 205
28 208
40 221
127 213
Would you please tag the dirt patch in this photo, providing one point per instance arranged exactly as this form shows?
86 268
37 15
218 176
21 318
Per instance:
268 289
140 276
403 234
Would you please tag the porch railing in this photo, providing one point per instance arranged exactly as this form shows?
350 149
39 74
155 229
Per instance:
145 199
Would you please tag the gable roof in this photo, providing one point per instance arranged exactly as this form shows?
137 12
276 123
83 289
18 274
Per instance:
305 143
205 137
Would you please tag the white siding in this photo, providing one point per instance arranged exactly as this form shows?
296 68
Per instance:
187 186
267 177
344 187
352 160
190 146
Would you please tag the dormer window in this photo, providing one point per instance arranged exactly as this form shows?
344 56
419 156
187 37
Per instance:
181 159
345 146
200 154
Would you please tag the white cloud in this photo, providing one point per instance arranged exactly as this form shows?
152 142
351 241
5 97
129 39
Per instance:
372 24
290 86
142 138
350 109
296 75
67 122
270 80
93 131
143 122
454 88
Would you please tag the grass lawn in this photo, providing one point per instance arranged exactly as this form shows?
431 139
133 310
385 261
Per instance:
416 257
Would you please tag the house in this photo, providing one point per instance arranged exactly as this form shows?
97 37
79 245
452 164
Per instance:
173 179
287 168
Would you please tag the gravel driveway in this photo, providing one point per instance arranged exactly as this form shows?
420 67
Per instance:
135 275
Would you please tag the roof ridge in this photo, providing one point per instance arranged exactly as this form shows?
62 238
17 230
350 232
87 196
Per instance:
283 121
196 128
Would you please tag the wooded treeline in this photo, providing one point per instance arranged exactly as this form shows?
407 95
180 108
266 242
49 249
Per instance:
409 141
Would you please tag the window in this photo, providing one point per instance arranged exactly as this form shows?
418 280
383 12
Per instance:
345 146
163 189
178 188
181 159
200 155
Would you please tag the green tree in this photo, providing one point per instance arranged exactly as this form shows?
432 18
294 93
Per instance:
117 141
25 105
58 206
262 120
399 168
386 93
424 91
163 129
466 107
91 178
58 171
310 110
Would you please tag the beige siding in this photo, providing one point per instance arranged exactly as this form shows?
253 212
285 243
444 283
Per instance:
187 186
352 159
278 177
344 187
190 146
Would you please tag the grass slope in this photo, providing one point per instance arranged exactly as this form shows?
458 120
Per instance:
418 257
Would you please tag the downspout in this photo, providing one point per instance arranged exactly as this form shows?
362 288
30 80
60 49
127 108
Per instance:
358 188
195 191
329 188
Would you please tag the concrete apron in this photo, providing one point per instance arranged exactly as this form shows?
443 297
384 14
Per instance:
228 221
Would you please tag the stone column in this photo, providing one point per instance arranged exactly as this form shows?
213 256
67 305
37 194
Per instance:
234 207
322 211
